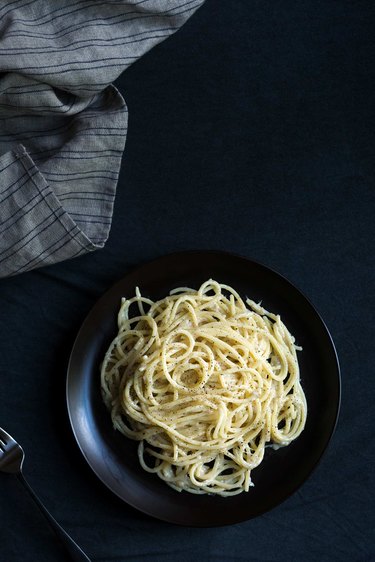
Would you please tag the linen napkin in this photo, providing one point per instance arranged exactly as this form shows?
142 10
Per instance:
62 124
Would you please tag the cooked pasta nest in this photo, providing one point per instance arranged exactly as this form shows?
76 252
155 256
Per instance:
205 382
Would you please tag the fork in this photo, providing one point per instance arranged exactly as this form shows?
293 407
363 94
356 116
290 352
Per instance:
11 461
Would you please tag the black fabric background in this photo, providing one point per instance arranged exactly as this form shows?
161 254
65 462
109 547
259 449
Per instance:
251 130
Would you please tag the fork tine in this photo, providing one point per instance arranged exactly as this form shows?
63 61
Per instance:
5 437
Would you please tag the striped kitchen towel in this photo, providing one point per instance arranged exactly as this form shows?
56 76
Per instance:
62 123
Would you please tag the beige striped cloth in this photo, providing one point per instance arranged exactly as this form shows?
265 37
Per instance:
62 122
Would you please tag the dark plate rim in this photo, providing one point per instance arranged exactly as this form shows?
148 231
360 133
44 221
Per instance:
180 254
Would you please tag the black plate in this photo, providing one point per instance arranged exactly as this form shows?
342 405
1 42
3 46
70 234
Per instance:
113 458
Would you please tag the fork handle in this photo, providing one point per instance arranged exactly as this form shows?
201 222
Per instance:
74 550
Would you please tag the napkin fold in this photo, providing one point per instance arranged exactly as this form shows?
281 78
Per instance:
62 123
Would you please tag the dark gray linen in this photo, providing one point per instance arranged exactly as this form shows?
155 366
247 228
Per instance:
62 124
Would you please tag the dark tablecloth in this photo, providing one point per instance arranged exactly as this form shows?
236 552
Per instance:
251 130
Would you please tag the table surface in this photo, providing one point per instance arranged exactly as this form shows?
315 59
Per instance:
251 130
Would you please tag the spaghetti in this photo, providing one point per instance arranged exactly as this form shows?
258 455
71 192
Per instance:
205 382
